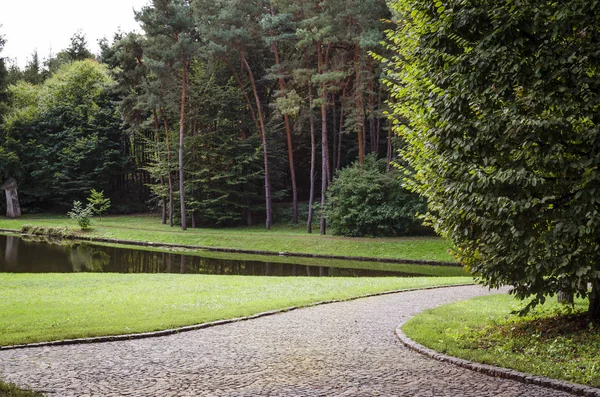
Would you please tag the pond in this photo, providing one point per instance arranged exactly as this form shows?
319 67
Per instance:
25 255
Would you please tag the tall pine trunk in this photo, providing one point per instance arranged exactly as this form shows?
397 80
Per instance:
181 136
359 106
321 67
163 201
372 132
170 175
288 133
313 158
341 131
263 134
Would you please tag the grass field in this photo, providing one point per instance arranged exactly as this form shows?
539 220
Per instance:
10 390
279 239
549 342
43 307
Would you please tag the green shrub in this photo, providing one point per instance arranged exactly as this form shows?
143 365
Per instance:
98 202
83 215
368 201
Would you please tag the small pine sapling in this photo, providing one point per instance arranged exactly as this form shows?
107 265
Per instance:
98 203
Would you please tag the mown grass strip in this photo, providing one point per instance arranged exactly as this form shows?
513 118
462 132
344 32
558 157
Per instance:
282 238
45 307
11 390
549 342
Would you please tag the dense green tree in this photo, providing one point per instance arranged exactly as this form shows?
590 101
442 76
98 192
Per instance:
3 78
279 29
170 27
63 137
78 49
502 100
232 27
33 72
225 164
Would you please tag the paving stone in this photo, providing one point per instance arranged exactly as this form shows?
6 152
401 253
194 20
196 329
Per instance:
340 349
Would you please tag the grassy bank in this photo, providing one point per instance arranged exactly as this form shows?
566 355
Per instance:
278 239
10 390
43 307
548 342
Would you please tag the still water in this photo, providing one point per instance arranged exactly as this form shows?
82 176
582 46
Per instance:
23 255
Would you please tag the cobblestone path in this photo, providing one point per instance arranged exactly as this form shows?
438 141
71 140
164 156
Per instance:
341 349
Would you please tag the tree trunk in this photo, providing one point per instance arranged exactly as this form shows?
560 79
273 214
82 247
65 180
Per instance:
359 107
170 175
288 132
390 148
13 208
323 225
243 90
163 201
338 162
313 157
372 132
334 129
263 134
594 305
181 136
565 298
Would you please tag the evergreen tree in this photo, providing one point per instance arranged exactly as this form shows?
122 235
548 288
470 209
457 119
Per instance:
33 70
170 28
232 26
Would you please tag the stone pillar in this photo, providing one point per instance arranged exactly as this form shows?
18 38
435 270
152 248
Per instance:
13 208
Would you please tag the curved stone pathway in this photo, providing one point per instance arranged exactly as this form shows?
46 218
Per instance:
341 349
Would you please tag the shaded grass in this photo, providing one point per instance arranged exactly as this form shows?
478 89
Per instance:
44 307
10 390
281 238
552 341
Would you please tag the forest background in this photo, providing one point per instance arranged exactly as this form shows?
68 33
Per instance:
216 111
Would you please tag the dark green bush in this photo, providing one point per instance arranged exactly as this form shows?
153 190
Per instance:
368 201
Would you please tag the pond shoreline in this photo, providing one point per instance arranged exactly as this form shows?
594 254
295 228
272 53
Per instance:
243 251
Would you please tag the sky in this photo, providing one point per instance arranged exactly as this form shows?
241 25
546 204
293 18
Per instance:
47 25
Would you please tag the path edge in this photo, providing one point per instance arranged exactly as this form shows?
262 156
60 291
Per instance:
194 327
498 372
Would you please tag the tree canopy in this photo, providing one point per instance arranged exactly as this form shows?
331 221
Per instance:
499 103
62 138
214 96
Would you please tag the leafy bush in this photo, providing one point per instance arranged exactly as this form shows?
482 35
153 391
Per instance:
98 202
83 215
368 201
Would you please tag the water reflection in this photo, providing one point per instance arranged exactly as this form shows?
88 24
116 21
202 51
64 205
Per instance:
18 255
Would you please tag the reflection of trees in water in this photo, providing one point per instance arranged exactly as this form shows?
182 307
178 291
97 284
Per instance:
11 250
86 258
33 256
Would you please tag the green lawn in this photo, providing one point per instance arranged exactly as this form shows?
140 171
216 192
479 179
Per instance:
548 342
10 390
283 238
43 307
